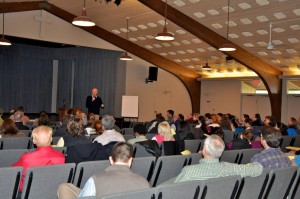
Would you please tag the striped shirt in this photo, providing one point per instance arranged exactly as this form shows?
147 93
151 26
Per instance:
212 168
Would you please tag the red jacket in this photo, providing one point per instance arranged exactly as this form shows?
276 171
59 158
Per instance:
42 156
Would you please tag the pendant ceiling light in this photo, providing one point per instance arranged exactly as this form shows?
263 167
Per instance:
83 20
3 41
206 67
227 46
125 56
165 35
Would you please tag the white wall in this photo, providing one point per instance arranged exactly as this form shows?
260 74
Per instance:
220 96
167 93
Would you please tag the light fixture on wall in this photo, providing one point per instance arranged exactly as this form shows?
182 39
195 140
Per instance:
206 67
83 20
125 56
165 35
3 41
227 46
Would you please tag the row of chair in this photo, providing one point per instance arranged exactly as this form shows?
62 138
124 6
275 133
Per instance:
272 184
8 157
20 143
42 182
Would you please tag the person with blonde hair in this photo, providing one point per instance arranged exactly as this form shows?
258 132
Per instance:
164 133
43 155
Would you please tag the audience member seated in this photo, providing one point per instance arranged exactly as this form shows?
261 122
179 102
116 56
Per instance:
207 118
18 120
256 120
214 122
44 120
242 142
62 130
164 133
43 155
117 178
97 125
225 124
154 129
109 134
178 118
139 132
269 121
282 128
272 156
9 129
210 167
25 118
184 132
244 117
292 127
75 134
170 119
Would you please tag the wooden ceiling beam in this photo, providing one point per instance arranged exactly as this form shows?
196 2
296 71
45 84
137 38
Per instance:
188 77
268 74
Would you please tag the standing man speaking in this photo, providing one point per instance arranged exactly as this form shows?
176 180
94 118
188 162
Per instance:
94 103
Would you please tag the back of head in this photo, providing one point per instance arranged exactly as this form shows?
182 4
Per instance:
248 135
44 120
97 125
108 122
75 127
208 115
272 136
214 146
42 136
165 130
171 112
248 121
225 123
246 116
18 116
257 116
122 152
20 109
140 129
293 123
271 122
9 127
181 117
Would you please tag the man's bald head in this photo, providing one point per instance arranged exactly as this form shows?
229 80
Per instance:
42 136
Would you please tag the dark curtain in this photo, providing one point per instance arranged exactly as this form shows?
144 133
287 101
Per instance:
25 78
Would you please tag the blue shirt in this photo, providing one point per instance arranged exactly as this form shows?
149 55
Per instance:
89 188
272 158
297 160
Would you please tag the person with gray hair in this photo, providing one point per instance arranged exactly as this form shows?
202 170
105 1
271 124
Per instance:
210 167
109 134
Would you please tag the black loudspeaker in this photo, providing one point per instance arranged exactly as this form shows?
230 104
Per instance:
152 73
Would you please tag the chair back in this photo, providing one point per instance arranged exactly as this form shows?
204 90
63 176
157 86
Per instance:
16 143
42 182
85 170
9 181
8 157
167 167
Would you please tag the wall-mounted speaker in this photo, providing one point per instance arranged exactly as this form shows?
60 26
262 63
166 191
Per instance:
152 76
